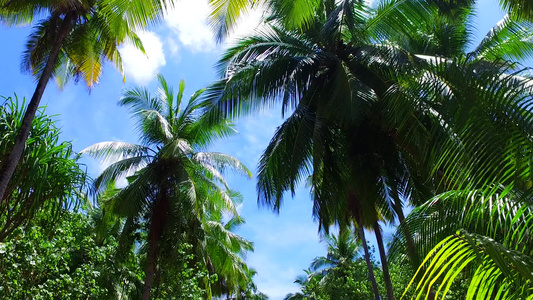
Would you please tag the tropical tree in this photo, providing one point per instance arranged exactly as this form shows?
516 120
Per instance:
309 285
328 76
367 116
342 252
250 292
72 40
342 249
174 186
222 251
488 175
48 177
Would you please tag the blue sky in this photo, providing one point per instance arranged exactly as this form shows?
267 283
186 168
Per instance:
182 47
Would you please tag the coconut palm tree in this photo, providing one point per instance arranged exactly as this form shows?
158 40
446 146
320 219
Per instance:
309 285
72 40
353 90
486 166
174 185
223 251
342 250
329 77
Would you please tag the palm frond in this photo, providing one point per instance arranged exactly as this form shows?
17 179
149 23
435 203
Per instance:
113 151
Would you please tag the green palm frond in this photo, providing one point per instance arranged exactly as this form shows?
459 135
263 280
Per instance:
113 151
224 15
522 9
497 272
509 40
222 161
139 99
287 160
119 170
295 15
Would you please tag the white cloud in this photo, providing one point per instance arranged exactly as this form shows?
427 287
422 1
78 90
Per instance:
143 68
188 21
173 47
372 3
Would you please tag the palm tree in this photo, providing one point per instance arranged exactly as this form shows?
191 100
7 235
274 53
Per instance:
73 40
223 251
352 90
487 184
174 186
342 250
309 285
328 74
487 238
250 291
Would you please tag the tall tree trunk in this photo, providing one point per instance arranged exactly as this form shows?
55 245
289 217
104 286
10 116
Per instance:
154 237
371 276
384 263
411 249
10 164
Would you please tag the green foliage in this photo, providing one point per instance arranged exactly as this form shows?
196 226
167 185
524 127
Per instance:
349 282
181 278
70 262
66 263
48 176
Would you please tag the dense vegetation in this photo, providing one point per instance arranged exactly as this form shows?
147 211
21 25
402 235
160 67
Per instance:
385 107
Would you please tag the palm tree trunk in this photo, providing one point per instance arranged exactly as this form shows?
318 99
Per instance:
411 249
384 263
154 236
10 164
371 276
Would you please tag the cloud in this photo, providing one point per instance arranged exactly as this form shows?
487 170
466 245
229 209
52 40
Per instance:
173 47
372 3
143 68
188 21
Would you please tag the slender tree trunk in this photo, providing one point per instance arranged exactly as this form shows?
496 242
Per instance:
384 263
411 249
154 236
371 276
9 166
